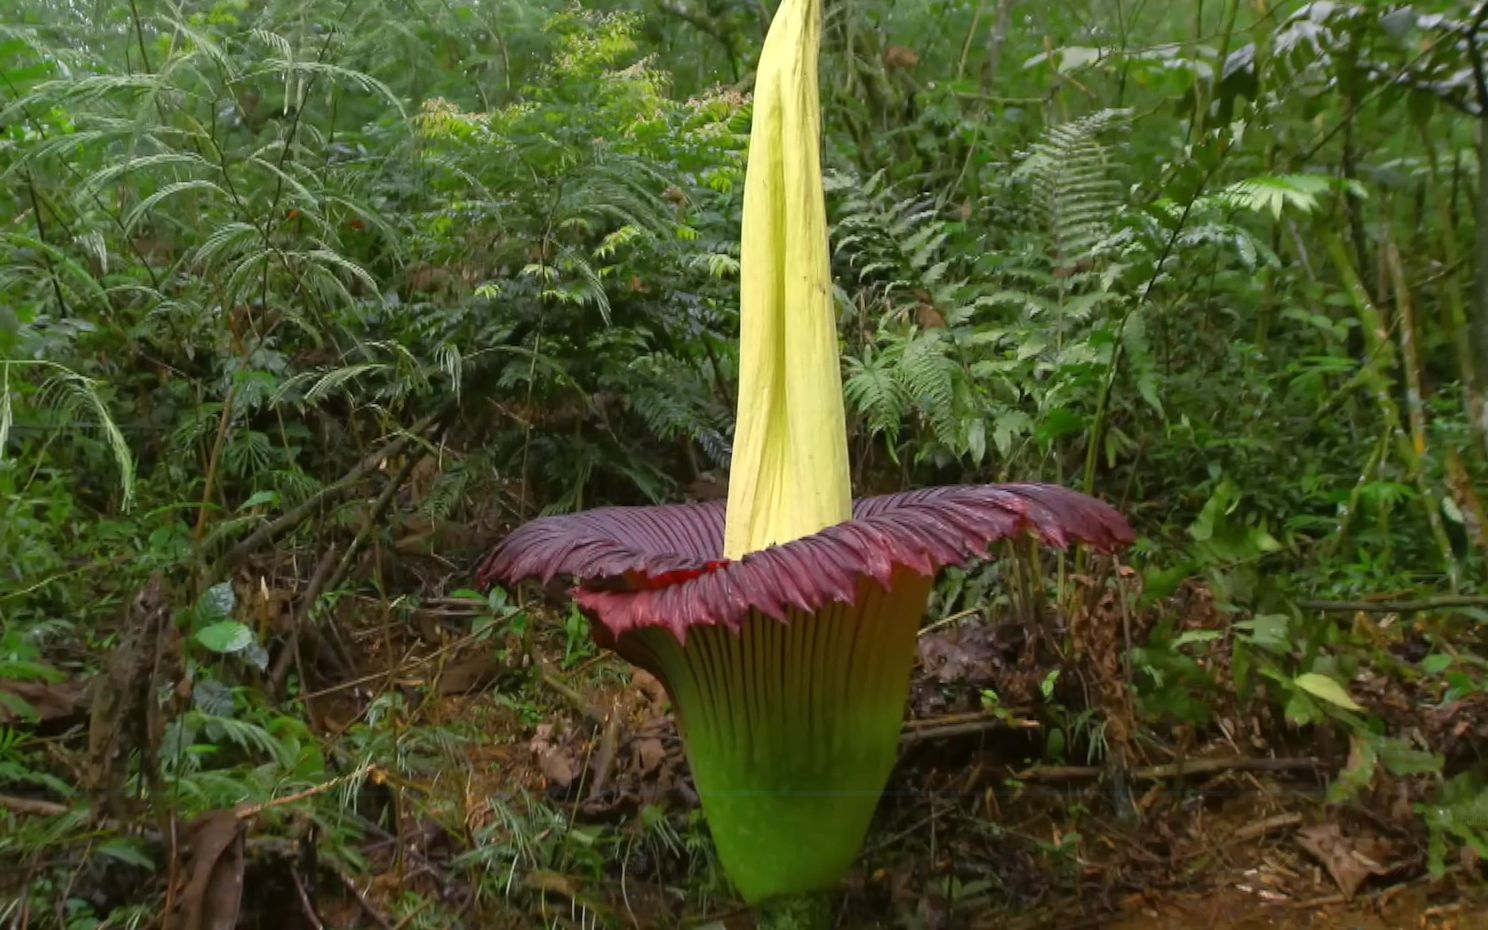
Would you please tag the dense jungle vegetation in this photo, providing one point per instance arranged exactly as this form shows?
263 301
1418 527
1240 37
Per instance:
304 305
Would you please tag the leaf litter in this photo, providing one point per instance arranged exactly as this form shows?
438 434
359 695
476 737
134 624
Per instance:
961 840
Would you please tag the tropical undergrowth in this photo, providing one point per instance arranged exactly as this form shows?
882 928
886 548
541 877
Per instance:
301 307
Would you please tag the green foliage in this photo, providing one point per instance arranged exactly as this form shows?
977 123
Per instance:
1460 816
1210 262
1072 191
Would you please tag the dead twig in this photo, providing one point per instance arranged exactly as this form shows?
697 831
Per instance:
924 723
947 621
1403 607
407 665
374 517
332 571
1170 770
921 730
293 517
32 806
377 916
291 651
249 811
604 757
1246 833
566 691
1262 827
306 904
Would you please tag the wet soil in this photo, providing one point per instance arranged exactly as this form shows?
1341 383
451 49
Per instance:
1240 907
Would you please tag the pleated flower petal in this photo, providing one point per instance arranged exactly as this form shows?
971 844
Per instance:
641 567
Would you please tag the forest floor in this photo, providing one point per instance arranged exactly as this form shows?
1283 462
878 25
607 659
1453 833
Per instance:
509 774
1231 827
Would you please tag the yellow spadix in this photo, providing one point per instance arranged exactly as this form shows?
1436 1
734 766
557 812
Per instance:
789 477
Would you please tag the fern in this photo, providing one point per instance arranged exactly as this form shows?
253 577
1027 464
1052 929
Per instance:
930 375
1074 193
69 397
972 354
675 403
875 388
896 245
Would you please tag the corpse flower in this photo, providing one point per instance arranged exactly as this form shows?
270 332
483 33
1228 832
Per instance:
783 625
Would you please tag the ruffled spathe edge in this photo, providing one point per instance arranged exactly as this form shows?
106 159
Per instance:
639 567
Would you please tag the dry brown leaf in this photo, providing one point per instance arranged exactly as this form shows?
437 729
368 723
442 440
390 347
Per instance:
651 688
1350 860
46 700
649 755
555 761
126 715
214 887
470 674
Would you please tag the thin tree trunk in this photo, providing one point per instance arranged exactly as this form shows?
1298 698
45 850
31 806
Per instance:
1477 380
1455 315
1415 408
1380 363
996 41
1478 324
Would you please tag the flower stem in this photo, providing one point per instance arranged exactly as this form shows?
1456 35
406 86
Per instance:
796 912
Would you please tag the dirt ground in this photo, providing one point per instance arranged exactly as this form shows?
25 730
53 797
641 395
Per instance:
1241 907
979 829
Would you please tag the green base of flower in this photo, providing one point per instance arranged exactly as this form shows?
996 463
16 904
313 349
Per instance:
792 730
796 912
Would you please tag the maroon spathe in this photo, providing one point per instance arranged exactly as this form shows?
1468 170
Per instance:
639 567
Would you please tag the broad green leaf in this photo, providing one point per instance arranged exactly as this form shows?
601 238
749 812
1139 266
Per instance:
127 851
226 636
1436 663
219 600
1009 426
1403 761
1268 631
258 499
1301 710
1196 636
1325 688
976 440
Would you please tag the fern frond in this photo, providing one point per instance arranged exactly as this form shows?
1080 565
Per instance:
930 375
873 388
1069 170
147 205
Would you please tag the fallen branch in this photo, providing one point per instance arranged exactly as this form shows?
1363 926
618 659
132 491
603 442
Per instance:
926 723
287 521
291 651
331 571
401 668
306 905
566 691
1246 833
919 731
377 916
604 757
1170 769
1391 607
249 811
374 517
32 806
1262 827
